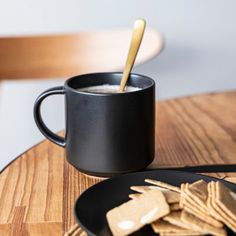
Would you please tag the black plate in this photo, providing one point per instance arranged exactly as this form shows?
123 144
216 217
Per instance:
93 204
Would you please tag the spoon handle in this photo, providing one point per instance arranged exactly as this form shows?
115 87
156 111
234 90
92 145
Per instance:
139 27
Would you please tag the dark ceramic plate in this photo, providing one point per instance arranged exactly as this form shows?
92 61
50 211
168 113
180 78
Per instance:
92 205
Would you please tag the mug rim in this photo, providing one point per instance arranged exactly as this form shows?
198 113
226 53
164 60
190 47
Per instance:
67 86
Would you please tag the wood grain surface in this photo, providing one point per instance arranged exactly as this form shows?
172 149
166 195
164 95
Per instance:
38 190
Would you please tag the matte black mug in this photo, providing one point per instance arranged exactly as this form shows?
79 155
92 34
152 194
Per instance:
106 134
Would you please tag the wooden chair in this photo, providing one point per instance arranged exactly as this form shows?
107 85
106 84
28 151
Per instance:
66 55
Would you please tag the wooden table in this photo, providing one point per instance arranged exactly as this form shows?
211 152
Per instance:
38 189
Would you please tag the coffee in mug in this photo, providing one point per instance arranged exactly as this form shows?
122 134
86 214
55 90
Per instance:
107 88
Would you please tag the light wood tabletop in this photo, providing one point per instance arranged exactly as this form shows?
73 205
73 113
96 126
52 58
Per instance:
38 190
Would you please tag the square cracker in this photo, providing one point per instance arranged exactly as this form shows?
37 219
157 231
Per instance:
181 234
182 197
225 218
212 210
134 195
215 209
171 196
163 185
163 228
174 218
196 209
198 192
201 226
144 188
175 207
187 198
207 218
226 199
134 214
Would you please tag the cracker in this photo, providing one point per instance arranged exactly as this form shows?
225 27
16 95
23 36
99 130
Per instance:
212 210
142 189
134 214
187 200
207 218
198 192
171 196
188 197
226 199
163 185
134 195
216 210
181 234
198 225
163 228
175 207
174 218
196 209
181 201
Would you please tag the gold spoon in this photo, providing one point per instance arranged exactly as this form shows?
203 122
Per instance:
139 27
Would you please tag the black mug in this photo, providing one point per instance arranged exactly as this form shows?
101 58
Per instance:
106 134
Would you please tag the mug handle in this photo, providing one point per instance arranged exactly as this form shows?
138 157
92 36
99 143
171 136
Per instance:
38 117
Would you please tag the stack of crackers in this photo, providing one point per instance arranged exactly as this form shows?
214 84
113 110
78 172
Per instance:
198 208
